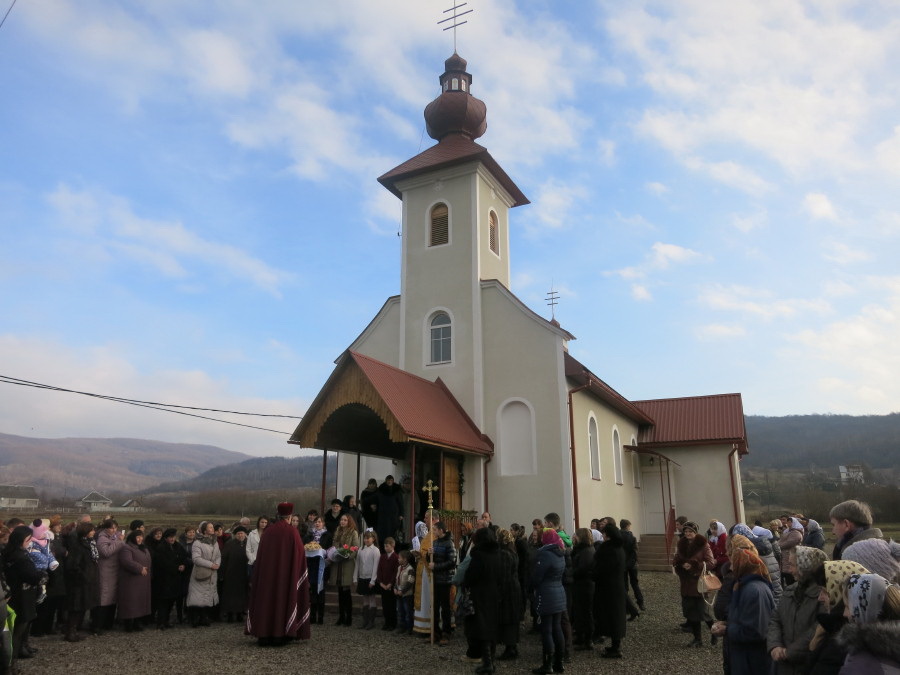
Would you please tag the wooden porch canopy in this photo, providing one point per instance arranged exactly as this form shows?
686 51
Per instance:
372 408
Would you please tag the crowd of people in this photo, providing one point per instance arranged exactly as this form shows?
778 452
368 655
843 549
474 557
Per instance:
772 595
781 604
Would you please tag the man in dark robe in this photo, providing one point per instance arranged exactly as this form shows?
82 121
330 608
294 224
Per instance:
390 508
279 592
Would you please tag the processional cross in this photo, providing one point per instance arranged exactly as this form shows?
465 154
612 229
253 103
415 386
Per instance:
429 488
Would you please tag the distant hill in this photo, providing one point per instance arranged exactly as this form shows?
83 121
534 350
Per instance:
257 473
71 467
801 441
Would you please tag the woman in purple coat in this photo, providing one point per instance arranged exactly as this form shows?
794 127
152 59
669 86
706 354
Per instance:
134 581
109 541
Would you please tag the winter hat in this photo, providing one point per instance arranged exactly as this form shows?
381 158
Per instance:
171 532
550 536
691 525
876 555
285 509
39 531
866 593
836 574
809 560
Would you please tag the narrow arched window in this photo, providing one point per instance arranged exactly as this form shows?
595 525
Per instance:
493 233
440 225
617 457
440 338
594 444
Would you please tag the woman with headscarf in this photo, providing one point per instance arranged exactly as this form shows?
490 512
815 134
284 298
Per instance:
609 580
82 572
813 537
692 554
826 656
109 541
23 579
876 555
168 563
718 538
872 636
234 576
550 600
202 591
764 550
794 623
749 612
134 582
791 537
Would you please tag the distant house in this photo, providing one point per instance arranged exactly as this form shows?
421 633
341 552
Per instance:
852 473
132 505
94 501
18 497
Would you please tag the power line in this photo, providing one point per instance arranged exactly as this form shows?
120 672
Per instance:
164 407
3 21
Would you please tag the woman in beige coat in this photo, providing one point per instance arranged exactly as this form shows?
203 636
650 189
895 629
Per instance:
207 557
346 544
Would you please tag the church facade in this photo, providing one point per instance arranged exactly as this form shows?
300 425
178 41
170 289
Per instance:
456 380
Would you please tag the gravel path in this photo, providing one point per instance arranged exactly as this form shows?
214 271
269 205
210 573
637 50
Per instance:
653 645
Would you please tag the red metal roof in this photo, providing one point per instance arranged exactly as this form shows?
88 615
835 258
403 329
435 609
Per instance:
577 372
452 150
695 420
426 410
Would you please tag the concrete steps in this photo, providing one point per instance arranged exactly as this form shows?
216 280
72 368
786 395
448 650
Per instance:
652 554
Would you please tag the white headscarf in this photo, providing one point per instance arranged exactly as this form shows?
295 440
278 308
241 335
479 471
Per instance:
597 535
720 530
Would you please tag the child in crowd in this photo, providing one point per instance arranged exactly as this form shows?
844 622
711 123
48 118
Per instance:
387 574
403 590
40 553
366 574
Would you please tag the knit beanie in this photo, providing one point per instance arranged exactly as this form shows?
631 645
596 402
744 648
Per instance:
877 556
809 560
550 536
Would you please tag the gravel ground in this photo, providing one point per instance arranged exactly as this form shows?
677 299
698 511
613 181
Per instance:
653 645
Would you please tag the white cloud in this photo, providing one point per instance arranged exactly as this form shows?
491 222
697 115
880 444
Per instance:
215 62
719 331
747 222
606 150
843 254
663 255
759 303
656 188
640 293
887 153
168 247
733 174
819 206
556 201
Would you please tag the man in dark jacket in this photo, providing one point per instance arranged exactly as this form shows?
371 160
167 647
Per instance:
631 573
389 507
851 522
333 516
444 566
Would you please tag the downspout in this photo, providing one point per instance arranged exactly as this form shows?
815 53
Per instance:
572 446
324 466
485 472
734 503
411 525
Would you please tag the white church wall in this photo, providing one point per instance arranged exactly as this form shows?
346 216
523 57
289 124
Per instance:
522 362
604 496
491 199
702 483
381 339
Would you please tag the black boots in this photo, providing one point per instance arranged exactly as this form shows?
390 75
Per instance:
345 608
509 654
546 667
488 649
558 663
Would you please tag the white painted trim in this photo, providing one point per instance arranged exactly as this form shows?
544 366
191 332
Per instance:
375 322
428 209
636 467
566 492
477 320
592 416
404 270
426 338
618 475
496 254
499 427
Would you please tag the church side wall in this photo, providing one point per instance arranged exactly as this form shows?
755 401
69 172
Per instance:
604 496
522 372
382 339
702 483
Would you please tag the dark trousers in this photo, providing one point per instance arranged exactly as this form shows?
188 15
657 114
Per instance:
631 576
442 608
405 611
164 611
389 607
552 638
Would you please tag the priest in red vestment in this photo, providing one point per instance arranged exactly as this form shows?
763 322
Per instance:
279 589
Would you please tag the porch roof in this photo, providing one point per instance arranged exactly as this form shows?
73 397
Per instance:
411 409
695 420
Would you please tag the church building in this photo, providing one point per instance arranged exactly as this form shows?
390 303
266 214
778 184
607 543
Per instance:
457 381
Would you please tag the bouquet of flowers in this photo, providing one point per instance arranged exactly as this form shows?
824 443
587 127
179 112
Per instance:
343 552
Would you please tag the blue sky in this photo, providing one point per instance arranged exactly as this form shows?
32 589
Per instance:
189 211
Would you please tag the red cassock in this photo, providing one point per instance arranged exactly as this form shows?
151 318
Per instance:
279 591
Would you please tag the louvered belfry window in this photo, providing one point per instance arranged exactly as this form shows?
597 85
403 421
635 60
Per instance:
494 239
440 225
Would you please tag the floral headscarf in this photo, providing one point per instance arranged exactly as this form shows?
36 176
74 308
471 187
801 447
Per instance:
837 572
866 593
740 528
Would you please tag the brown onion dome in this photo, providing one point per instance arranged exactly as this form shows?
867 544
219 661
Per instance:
455 111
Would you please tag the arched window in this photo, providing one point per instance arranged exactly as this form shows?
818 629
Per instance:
517 447
440 338
594 444
440 225
617 457
493 233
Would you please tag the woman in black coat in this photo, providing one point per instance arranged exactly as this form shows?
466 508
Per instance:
82 578
609 577
234 574
169 560
511 604
583 591
23 579
483 578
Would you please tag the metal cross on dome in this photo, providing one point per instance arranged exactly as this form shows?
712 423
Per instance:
455 19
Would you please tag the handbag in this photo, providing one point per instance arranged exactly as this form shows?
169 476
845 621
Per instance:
202 573
708 583
464 606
